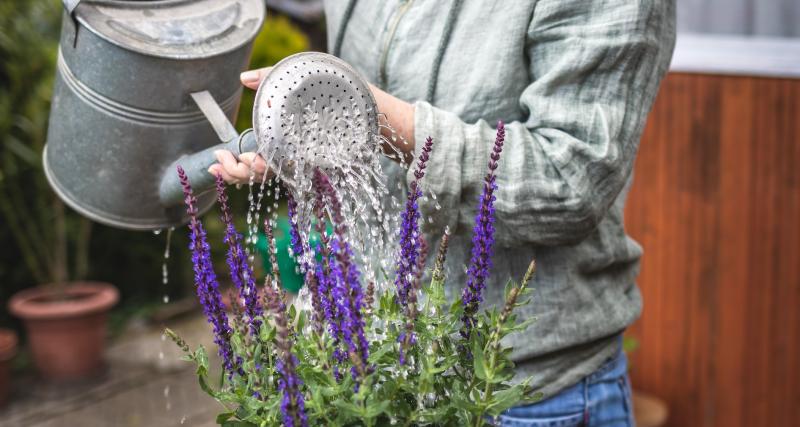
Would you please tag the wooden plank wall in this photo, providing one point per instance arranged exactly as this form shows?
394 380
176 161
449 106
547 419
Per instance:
716 205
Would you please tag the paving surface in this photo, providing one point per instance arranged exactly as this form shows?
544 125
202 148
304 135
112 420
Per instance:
145 384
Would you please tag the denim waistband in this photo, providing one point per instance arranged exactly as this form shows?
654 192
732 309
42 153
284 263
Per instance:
615 367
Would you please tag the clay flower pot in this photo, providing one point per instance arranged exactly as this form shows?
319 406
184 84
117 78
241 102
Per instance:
66 328
8 348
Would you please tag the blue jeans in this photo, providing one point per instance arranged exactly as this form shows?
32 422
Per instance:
603 399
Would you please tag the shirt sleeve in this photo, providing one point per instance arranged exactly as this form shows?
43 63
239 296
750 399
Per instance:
595 67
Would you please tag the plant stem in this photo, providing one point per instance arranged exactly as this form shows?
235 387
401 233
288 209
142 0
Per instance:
493 344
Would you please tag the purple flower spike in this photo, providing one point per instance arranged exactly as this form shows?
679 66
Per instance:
205 279
342 279
482 240
241 272
409 230
289 383
293 406
412 253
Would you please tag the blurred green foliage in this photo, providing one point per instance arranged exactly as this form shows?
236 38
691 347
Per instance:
279 39
42 240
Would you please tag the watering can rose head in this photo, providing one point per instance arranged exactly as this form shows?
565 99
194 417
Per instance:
356 348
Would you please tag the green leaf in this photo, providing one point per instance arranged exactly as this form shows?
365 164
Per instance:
376 356
301 320
505 399
204 386
348 409
225 416
375 409
237 423
479 363
243 412
201 357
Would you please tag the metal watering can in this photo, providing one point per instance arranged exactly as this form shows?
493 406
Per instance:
136 95
140 84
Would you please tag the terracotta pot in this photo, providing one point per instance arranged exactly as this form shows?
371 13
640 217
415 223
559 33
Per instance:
67 329
8 348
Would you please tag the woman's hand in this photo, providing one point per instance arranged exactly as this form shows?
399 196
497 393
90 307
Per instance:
399 115
238 171
251 79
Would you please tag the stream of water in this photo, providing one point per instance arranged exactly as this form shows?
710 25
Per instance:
337 140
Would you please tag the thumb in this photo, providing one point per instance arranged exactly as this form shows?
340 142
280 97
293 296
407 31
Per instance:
252 78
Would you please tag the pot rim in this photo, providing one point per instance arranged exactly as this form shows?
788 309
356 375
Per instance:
8 344
97 297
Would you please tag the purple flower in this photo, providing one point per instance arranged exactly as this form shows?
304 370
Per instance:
289 383
411 260
341 279
482 240
409 230
350 300
241 273
293 406
205 279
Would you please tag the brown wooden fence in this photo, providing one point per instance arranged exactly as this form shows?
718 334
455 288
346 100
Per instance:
716 205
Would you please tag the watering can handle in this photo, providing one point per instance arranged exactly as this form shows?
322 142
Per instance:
215 116
196 165
70 5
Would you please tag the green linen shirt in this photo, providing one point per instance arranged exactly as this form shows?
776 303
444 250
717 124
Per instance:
574 81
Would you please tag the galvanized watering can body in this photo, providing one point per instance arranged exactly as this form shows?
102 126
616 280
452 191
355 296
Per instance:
135 90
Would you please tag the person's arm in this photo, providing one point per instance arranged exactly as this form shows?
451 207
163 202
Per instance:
595 67
398 113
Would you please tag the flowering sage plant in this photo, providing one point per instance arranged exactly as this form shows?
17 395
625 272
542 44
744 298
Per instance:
358 355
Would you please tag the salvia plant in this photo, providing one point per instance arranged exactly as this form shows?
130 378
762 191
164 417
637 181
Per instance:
358 355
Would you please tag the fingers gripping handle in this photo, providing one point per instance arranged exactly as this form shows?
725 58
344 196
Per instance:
196 166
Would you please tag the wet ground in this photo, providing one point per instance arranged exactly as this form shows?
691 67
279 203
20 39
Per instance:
145 384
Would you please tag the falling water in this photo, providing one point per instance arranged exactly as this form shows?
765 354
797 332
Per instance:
338 139
164 266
